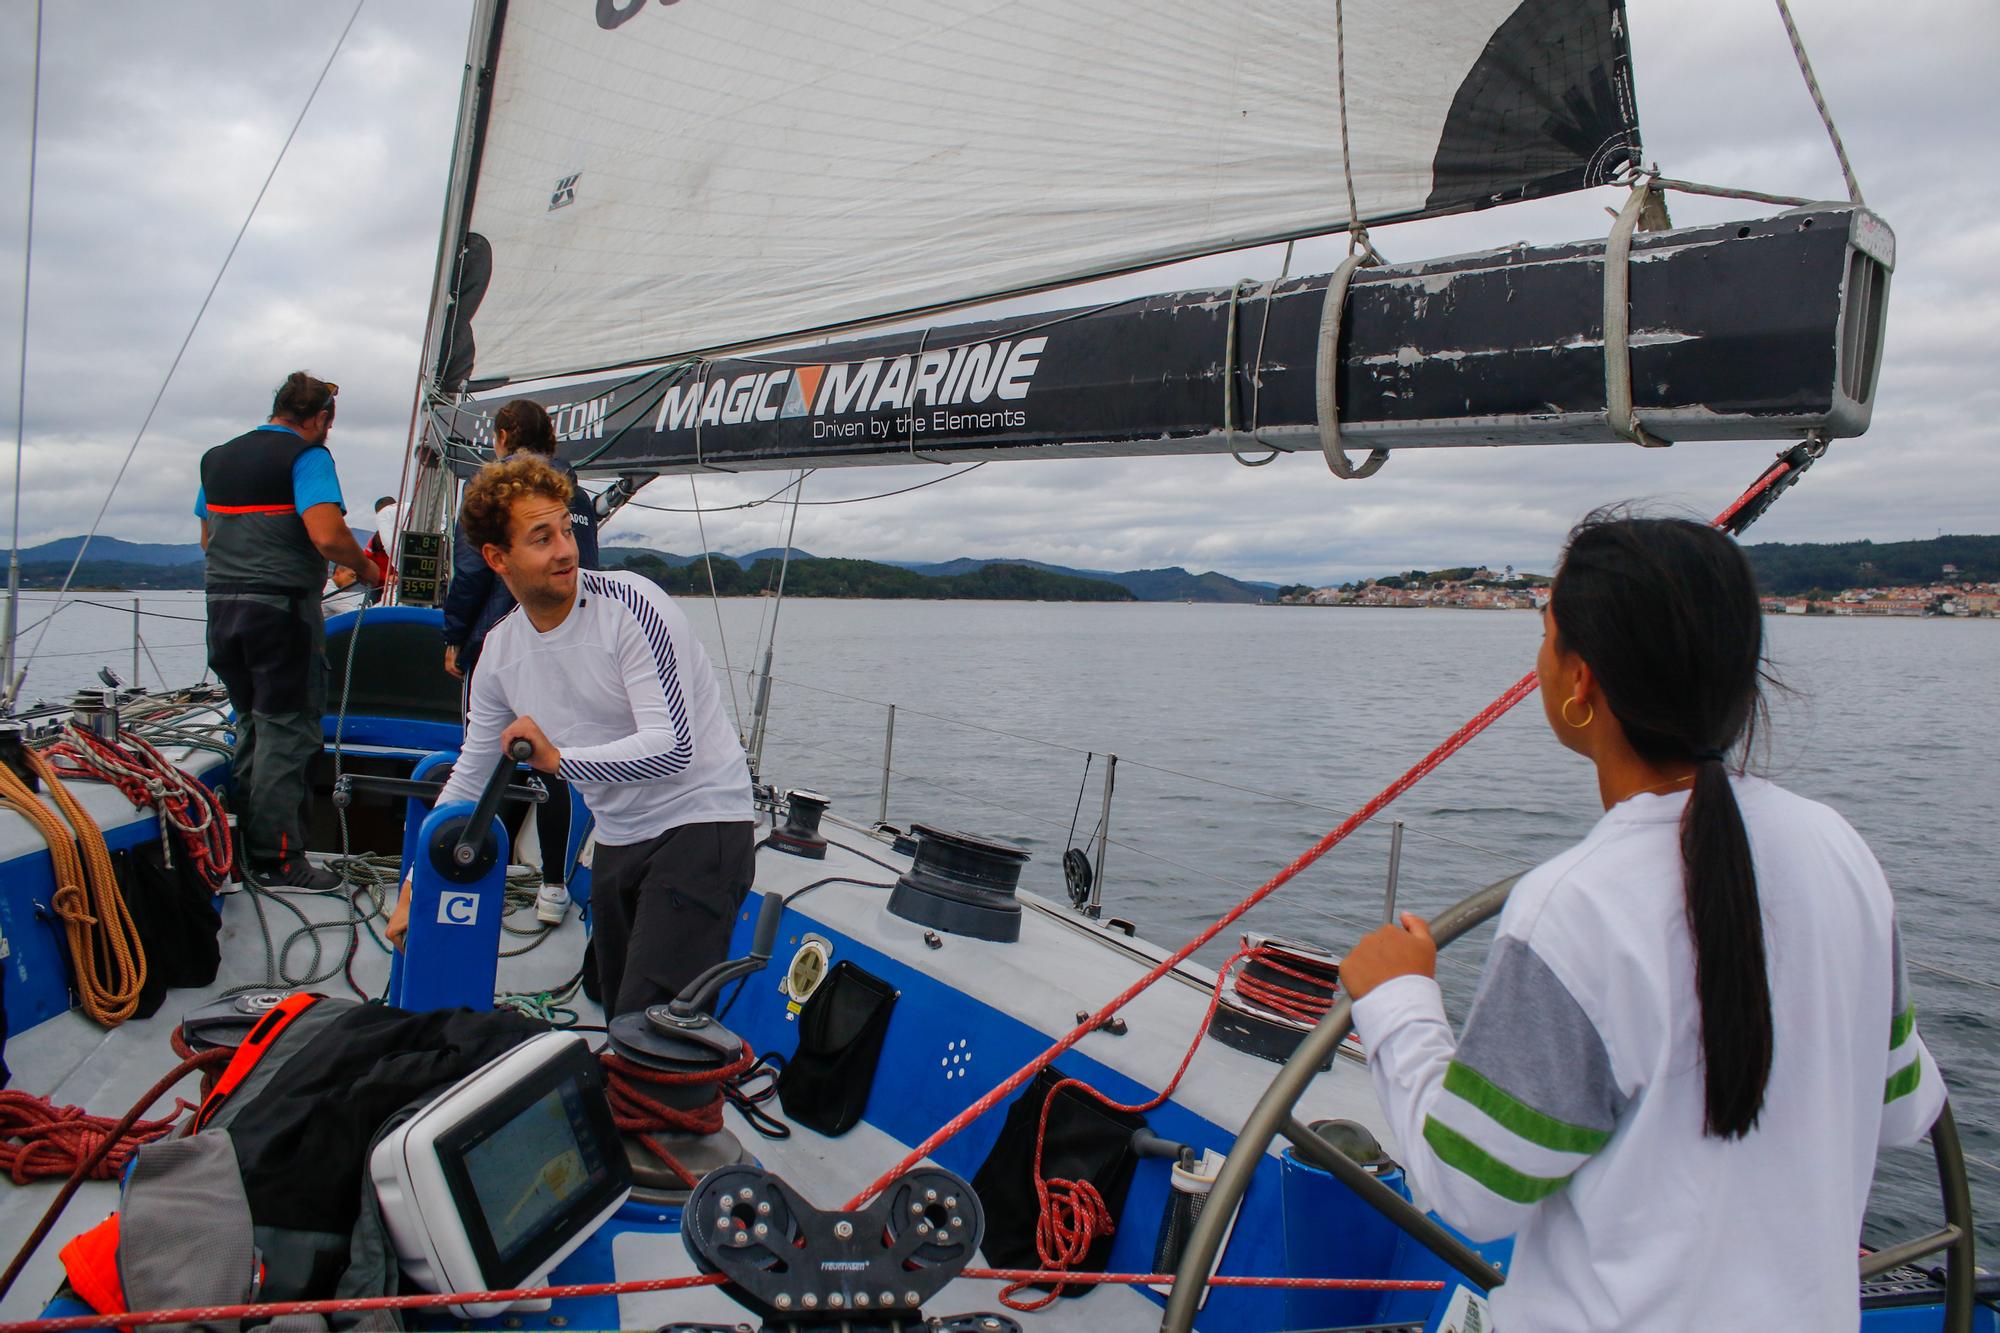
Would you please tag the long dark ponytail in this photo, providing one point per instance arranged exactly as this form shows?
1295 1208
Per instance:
1665 613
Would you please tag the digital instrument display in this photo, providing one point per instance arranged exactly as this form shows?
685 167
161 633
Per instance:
530 1169
534 1165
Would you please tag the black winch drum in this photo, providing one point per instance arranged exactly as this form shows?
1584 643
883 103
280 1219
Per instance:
961 884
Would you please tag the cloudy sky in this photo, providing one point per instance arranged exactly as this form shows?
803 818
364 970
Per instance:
160 122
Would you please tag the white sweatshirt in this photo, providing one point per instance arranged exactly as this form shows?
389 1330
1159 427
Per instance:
626 692
1570 1114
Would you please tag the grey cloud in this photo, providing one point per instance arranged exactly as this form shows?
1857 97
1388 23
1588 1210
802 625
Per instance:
159 123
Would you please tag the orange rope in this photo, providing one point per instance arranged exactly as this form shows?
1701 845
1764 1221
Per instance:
110 964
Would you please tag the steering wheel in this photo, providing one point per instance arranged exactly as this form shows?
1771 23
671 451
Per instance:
1274 1115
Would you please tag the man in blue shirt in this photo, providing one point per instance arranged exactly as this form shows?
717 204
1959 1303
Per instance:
271 517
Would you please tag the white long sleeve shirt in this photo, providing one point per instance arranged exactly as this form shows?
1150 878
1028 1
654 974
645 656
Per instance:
625 691
1570 1114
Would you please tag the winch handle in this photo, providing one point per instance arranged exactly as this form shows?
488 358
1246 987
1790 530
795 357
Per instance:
764 939
685 1010
477 828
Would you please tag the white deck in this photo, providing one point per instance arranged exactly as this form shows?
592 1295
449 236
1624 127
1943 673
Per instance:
1060 965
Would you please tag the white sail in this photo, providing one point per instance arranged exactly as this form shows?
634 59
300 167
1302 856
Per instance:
655 178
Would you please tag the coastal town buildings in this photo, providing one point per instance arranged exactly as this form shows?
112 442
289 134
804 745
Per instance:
1480 589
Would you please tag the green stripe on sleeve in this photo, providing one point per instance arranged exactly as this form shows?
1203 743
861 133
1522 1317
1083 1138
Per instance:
1901 1026
1536 1127
1903 1082
1463 1155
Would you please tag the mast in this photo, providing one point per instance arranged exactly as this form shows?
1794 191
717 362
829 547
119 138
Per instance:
424 556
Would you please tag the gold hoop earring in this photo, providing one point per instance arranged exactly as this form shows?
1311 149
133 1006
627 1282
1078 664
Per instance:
1589 716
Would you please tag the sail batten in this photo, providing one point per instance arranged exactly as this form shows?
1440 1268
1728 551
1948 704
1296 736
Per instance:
663 179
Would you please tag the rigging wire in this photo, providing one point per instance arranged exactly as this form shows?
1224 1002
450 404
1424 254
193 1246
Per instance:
845 500
715 601
7 682
174 366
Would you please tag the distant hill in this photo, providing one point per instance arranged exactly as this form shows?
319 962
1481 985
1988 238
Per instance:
1145 585
1785 569
110 573
813 576
112 549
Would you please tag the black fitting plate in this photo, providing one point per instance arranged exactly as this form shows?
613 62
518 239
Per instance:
793 1264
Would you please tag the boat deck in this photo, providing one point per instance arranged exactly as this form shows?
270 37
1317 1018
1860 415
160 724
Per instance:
989 1005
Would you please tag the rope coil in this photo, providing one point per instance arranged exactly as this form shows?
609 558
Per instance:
104 948
147 777
642 1115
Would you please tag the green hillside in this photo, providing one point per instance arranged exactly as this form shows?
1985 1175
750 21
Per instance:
1786 569
820 577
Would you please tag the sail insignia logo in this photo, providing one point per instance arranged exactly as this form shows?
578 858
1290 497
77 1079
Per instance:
1000 371
580 421
564 194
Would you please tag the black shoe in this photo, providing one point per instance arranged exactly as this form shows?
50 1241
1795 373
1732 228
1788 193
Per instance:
294 873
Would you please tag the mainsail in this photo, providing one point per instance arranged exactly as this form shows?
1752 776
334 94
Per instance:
648 180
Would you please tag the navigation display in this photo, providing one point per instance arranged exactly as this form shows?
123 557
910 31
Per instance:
527 1172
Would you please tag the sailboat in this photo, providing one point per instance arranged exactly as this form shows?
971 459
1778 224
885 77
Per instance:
728 238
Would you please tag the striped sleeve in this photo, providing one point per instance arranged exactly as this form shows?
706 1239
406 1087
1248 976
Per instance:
662 743
1913 1091
1501 1120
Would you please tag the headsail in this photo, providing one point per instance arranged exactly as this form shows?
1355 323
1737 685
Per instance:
660 178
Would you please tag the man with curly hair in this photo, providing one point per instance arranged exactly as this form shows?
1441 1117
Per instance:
603 676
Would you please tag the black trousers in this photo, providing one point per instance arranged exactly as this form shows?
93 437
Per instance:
662 910
269 651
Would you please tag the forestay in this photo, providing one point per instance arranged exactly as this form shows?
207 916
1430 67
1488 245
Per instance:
660 178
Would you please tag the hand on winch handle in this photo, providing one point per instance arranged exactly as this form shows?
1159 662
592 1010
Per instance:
545 756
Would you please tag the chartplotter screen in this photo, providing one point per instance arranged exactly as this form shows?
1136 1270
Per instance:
528 1171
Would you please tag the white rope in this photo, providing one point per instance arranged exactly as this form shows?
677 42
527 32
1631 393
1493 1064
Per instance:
1326 378
1326 386
1618 322
1819 101
1732 192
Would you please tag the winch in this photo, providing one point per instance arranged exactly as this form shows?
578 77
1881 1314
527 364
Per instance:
682 1039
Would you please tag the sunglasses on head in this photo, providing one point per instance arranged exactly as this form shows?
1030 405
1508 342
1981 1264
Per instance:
332 392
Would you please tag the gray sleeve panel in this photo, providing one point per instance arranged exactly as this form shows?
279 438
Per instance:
1528 1036
184 1233
1899 992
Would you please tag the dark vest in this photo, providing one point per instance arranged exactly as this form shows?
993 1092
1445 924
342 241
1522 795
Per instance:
256 540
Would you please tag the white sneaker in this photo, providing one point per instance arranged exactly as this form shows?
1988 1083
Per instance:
552 904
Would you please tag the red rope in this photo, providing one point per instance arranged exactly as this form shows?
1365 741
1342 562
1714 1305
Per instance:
40 1140
1307 1005
1071 1209
1417 772
1452 744
431 1301
637 1113
147 777
1026 1275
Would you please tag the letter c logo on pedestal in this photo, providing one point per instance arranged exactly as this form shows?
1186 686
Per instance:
458 909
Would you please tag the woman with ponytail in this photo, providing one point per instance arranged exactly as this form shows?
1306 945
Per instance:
1694 1029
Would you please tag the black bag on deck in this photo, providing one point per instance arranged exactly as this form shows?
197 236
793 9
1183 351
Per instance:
825 1085
174 913
1086 1141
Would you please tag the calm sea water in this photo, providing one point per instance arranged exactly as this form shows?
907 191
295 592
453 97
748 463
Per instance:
1243 733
